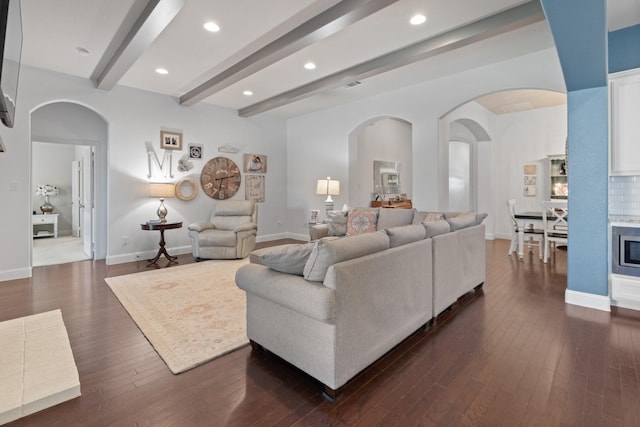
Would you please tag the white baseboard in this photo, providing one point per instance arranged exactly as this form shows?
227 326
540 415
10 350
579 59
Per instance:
140 256
583 299
19 273
278 236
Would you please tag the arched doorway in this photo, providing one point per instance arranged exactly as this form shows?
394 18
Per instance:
69 146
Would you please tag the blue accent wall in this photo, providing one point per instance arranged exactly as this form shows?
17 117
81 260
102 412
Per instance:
581 39
579 30
588 190
624 49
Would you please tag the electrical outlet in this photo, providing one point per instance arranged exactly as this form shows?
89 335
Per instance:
279 223
125 240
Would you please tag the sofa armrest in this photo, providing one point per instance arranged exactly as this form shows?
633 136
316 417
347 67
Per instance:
293 292
246 227
318 231
200 226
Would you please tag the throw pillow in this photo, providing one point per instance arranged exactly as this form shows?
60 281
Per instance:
393 217
420 217
405 234
361 221
289 258
435 228
462 221
337 223
327 252
480 217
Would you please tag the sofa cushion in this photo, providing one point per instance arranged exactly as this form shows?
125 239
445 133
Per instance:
327 252
393 217
361 221
337 223
435 228
480 217
289 258
405 234
462 221
420 217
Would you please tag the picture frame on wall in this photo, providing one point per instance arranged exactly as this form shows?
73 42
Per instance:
254 188
255 163
195 151
530 191
170 140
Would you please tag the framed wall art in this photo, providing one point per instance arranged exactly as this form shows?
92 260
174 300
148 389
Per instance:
195 151
255 163
254 188
170 140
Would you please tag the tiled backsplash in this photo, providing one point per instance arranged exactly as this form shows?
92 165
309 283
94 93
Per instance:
624 195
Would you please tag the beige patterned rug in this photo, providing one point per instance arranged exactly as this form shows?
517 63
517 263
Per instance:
190 313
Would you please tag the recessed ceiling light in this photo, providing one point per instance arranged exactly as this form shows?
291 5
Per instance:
82 51
212 26
161 71
247 93
418 19
310 66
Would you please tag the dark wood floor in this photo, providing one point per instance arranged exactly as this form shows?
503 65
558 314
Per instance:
515 354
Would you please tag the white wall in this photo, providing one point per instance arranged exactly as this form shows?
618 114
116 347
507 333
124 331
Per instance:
134 117
323 136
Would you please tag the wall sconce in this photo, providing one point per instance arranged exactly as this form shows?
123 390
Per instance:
329 187
162 190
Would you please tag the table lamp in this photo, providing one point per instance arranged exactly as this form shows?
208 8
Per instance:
162 190
330 187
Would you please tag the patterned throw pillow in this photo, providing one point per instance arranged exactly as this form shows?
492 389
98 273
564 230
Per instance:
361 221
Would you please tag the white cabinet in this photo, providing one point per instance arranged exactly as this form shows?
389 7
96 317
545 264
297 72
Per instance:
625 123
49 220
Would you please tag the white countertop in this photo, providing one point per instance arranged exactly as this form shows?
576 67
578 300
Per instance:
624 218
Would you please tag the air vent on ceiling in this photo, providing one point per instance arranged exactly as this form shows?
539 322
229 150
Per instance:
352 84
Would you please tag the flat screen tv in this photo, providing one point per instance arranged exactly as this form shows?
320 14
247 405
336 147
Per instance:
10 50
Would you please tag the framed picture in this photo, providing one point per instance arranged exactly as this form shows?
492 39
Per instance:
254 188
530 169
529 180
195 151
530 190
170 140
314 216
255 163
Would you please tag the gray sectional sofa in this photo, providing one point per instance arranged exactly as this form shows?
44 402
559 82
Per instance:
334 306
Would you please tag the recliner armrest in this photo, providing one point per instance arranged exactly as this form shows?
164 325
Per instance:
246 227
200 226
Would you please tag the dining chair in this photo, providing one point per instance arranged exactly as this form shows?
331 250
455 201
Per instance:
554 223
532 236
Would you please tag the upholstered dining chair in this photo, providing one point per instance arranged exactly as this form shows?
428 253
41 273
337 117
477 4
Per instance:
229 234
554 222
532 236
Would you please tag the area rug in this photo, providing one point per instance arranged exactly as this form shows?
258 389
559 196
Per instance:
190 313
37 369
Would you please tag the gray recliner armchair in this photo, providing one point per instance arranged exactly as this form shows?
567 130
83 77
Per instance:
230 233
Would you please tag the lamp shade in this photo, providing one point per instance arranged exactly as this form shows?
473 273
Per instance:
328 186
162 189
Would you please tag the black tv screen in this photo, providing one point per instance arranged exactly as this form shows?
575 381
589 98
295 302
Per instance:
11 48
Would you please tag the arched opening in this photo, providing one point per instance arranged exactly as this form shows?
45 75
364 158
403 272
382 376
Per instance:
69 151
387 139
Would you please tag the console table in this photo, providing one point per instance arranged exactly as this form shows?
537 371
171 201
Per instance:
161 227
45 219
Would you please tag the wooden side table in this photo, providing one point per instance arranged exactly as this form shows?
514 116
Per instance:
162 250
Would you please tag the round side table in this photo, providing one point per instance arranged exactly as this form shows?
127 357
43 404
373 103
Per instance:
161 227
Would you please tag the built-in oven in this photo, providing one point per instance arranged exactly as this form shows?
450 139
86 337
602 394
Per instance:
625 250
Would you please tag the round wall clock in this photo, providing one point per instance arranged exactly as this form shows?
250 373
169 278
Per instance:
220 178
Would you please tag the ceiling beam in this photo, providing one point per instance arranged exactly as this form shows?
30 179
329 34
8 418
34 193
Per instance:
323 25
142 25
508 20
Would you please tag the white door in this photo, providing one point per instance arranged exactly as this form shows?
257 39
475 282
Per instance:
87 205
76 197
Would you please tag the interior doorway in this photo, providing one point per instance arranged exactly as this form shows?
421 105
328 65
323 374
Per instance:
69 150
